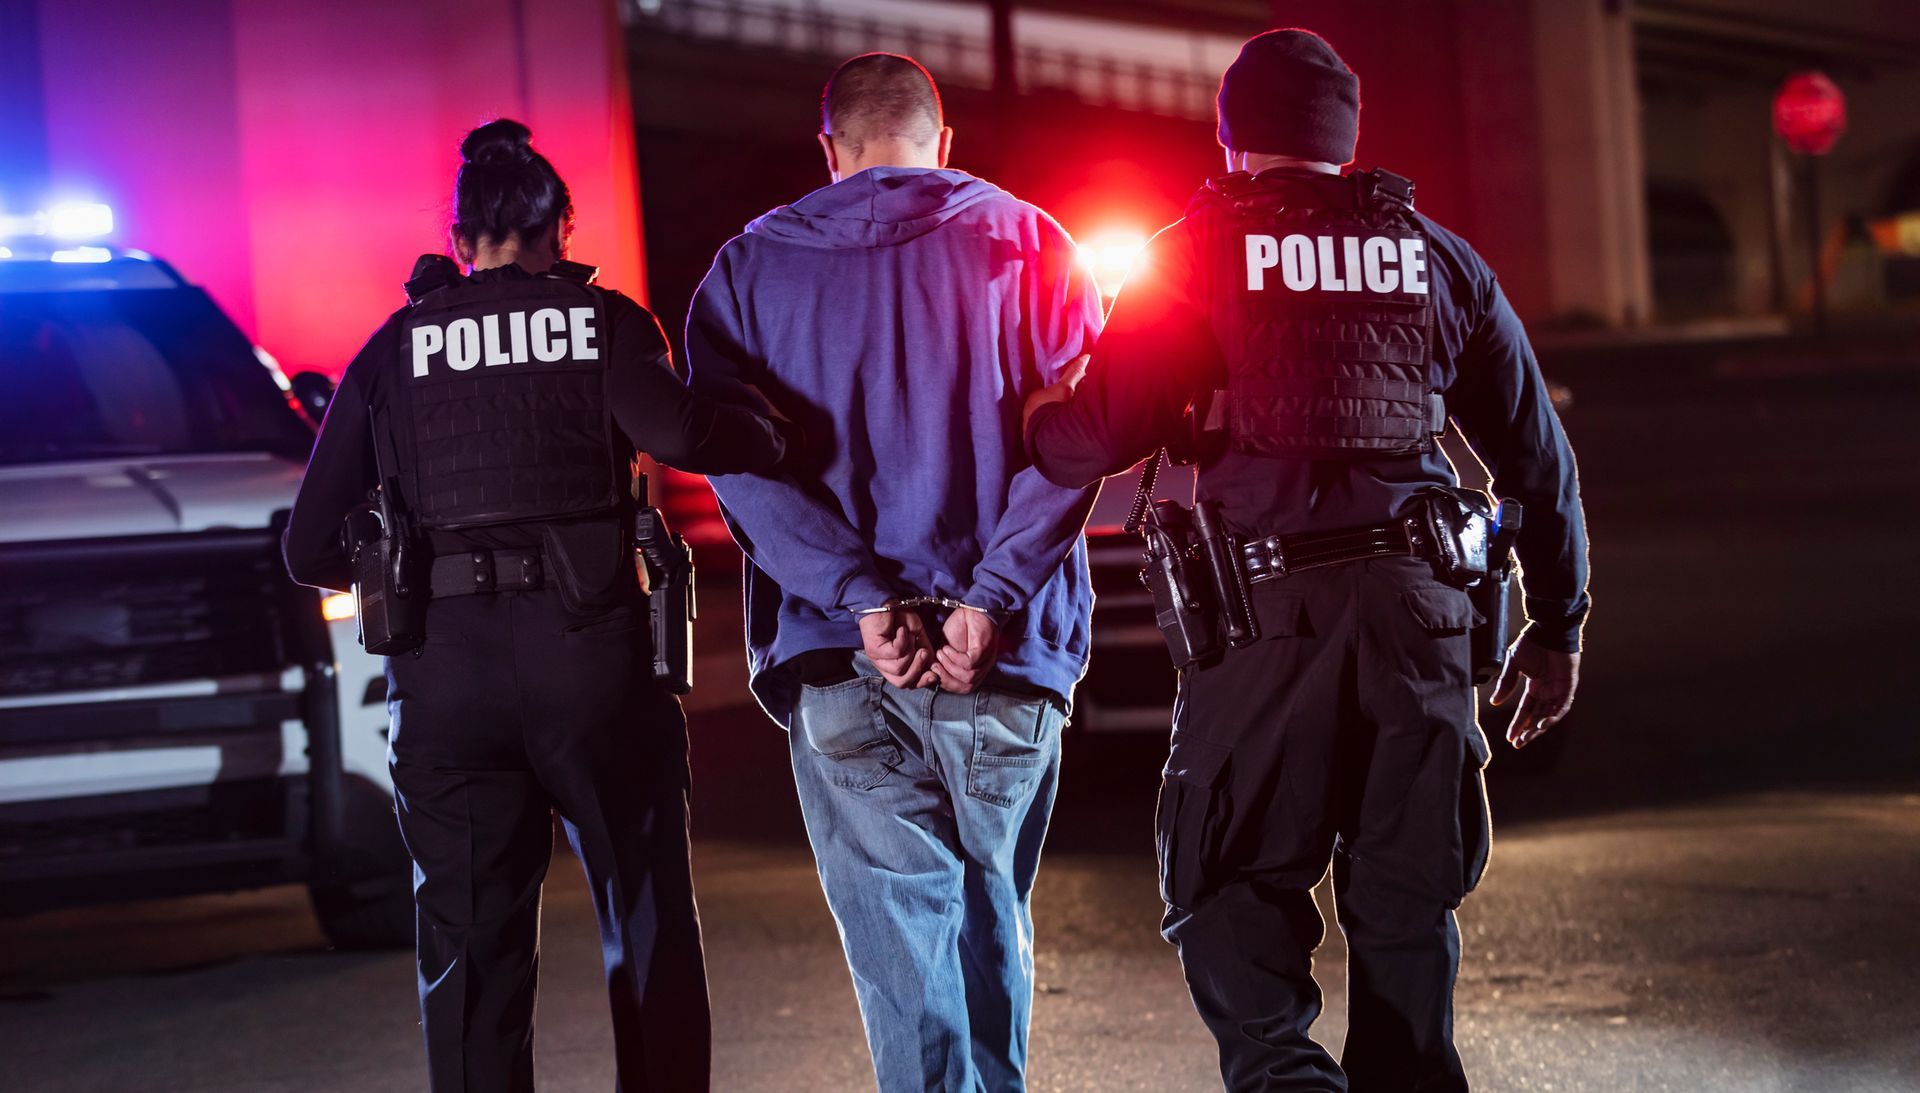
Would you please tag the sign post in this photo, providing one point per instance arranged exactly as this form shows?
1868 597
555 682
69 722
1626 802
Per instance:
1809 114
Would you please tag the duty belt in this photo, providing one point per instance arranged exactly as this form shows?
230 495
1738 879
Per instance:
1277 556
485 571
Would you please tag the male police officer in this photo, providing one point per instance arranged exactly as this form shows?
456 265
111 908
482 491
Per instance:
499 414
1322 332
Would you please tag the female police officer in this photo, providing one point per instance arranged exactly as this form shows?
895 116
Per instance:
501 409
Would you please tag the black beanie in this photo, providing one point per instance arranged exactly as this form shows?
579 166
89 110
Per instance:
1290 94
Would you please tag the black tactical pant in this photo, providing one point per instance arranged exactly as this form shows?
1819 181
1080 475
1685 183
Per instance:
1345 734
518 708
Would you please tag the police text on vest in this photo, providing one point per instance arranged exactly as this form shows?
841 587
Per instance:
1378 263
548 334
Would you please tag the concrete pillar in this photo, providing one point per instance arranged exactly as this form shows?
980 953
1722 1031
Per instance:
1590 162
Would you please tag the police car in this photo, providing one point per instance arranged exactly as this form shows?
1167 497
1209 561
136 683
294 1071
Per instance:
176 716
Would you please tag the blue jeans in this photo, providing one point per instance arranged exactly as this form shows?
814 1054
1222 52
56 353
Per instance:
926 811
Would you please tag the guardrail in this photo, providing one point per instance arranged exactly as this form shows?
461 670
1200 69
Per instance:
956 56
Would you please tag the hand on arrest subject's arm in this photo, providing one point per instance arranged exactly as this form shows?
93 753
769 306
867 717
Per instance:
1059 390
1545 681
972 642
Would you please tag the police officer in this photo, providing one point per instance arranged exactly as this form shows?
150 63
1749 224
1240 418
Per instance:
502 407
1321 333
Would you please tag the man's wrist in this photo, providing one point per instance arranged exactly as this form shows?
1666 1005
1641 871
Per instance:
1554 639
864 593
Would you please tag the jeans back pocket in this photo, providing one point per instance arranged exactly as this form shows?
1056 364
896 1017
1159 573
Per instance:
844 726
1014 738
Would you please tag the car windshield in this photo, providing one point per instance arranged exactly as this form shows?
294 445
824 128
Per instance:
134 372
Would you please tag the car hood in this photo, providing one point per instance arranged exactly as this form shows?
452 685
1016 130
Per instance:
143 495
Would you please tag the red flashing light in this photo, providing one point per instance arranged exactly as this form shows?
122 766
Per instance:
1809 113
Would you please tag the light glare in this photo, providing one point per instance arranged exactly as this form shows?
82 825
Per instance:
79 220
1111 257
336 607
82 254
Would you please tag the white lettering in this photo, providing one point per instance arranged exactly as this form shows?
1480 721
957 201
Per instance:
1413 264
1380 254
1296 262
547 323
1339 263
1263 253
1329 281
583 334
427 341
517 335
490 338
463 344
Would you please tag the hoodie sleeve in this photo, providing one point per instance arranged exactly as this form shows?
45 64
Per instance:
1042 521
803 543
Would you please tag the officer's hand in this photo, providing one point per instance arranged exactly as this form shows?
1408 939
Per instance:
896 641
972 642
1059 390
1545 681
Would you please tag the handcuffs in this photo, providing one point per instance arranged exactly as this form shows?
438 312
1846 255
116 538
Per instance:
921 601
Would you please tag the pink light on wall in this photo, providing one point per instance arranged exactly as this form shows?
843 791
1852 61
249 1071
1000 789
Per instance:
296 158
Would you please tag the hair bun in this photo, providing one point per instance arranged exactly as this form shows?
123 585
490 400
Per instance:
502 140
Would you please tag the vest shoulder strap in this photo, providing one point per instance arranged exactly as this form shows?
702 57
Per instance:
1381 190
431 272
577 272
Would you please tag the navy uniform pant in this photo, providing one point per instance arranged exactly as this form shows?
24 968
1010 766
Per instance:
517 709
1345 735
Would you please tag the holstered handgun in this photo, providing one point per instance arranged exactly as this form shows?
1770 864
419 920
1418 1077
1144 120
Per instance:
390 607
1459 526
1489 639
1183 605
668 568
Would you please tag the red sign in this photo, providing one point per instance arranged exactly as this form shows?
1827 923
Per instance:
1809 113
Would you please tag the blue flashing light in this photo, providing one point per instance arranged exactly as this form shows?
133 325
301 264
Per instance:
72 220
82 254
79 220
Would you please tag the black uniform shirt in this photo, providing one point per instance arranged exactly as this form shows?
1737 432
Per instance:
1158 355
652 410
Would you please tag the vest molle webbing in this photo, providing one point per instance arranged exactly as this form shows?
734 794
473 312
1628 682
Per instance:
1323 303
502 405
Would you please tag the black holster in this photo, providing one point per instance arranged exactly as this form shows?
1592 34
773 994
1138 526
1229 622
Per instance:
389 604
1184 605
1489 641
668 566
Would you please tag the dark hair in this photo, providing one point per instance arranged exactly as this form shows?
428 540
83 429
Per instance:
505 189
880 95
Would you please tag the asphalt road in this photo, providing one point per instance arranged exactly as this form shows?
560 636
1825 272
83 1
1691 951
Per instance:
1716 888
1756 945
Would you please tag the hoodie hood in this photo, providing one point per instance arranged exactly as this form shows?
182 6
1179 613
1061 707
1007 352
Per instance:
878 207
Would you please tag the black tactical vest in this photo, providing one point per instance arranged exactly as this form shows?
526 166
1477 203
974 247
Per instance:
1322 299
501 412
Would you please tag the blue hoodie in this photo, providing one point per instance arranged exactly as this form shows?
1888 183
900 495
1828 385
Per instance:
901 316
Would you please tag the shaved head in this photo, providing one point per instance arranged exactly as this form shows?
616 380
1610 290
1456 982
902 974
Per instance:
880 98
